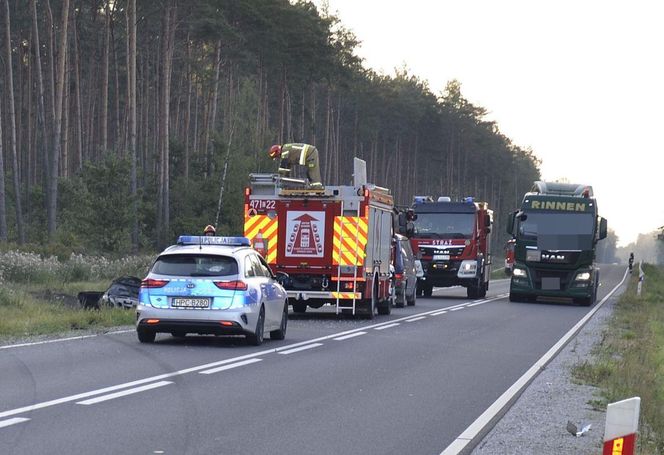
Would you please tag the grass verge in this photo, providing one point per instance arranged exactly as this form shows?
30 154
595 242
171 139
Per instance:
32 311
630 359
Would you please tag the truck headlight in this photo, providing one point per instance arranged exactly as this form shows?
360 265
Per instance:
583 276
519 273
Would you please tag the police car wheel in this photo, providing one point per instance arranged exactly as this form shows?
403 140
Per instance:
145 336
280 333
256 338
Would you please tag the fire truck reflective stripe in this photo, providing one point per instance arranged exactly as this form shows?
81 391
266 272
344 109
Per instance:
346 295
350 240
268 229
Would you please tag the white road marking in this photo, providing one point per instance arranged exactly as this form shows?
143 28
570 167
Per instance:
231 366
301 348
439 313
457 309
14 421
59 340
416 319
124 393
388 326
70 398
352 335
476 428
475 304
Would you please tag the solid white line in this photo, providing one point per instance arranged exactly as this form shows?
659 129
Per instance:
475 428
14 421
124 393
46 342
475 304
438 313
352 335
388 326
301 348
416 319
231 366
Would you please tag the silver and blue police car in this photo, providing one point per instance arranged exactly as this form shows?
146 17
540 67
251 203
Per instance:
211 285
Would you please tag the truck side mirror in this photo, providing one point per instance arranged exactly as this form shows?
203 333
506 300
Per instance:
487 220
603 228
510 223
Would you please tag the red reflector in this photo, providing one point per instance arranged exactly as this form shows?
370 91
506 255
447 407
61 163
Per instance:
226 323
232 285
152 321
398 276
150 283
348 285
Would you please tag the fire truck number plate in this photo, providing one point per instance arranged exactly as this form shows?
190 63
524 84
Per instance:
262 204
441 257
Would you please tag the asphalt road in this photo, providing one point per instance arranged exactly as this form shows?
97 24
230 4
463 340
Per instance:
406 383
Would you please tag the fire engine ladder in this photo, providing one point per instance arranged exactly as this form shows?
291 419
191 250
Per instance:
355 231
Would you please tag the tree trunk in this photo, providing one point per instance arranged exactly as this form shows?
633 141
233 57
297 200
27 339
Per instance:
12 127
53 187
213 112
77 95
41 111
3 199
131 99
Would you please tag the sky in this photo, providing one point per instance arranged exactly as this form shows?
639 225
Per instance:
581 82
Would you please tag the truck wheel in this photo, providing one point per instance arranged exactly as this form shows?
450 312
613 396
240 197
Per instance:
371 303
472 292
517 298
299 308
427 290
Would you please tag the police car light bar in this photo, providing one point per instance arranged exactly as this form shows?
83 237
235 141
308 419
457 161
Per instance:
213 240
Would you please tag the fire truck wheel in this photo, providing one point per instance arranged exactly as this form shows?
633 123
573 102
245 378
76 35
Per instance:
385 307
400 300
299 307
280 333
256 338
371 303
411 301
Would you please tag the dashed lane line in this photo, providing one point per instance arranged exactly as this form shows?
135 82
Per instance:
388 326
230 366
124 393
457 309
416 319
14 421
352 335
438 313
301 348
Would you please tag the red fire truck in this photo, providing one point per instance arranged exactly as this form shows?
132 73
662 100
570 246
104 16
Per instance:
330 246
509 256
452 240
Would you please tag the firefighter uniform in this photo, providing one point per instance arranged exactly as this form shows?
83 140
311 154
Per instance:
304 155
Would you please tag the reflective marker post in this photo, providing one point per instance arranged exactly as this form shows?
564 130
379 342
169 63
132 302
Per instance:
622 423
642 277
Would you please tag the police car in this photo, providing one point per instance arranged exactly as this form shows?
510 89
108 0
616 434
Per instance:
211 285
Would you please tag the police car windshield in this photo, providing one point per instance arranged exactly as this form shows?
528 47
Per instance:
558 231
195 265
444 225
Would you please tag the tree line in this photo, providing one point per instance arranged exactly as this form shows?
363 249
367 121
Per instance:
125 123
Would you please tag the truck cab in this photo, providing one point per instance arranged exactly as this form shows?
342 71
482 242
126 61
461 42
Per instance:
556 231
452 240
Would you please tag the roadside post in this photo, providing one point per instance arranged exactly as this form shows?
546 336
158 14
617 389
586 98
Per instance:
622 423
642 277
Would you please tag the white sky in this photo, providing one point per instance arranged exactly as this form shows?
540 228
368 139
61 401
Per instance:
579 81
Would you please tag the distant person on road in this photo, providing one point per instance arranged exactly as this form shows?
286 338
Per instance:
299 154
209 231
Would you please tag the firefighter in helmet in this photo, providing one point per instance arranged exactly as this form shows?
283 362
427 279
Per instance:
209 231
302 154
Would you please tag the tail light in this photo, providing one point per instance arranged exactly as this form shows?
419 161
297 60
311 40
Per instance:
398 276
232 285
152 283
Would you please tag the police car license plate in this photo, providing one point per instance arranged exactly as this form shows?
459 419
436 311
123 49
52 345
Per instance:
441 257
179 302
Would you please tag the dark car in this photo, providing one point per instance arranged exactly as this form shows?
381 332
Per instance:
405 272
122 293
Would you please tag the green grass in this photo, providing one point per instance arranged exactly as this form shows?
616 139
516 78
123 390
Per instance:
39 311
630 359
498 274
